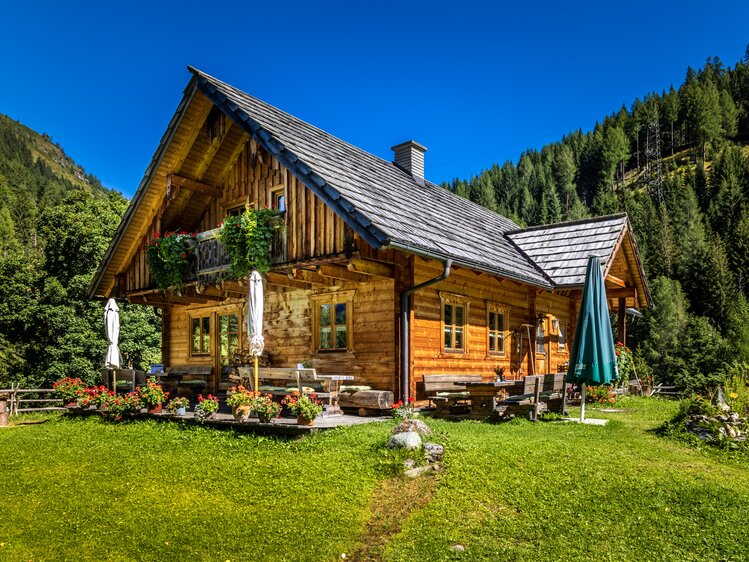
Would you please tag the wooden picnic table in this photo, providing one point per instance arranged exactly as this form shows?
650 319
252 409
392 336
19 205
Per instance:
484 394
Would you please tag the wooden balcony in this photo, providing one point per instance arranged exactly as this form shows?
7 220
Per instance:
211 261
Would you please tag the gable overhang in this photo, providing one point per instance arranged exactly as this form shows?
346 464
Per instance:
625 243
313 181
103 279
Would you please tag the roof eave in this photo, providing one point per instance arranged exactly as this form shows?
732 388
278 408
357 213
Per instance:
468 264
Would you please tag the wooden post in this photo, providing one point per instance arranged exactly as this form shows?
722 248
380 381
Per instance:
165 330
622 321
532 333
4 397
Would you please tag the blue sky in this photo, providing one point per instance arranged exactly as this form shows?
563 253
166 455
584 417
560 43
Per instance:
475 82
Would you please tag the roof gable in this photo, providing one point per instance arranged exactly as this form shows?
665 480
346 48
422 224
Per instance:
562 250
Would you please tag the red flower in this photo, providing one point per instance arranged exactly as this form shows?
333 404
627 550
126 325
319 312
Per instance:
183 255
411 400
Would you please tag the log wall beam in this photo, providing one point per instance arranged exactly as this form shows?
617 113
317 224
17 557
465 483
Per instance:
175 181
371 267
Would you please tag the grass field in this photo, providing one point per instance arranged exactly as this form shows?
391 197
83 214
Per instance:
83 489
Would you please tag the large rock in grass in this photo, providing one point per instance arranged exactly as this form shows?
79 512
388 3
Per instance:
412 425
407 440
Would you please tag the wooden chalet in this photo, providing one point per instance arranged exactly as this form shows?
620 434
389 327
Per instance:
360 234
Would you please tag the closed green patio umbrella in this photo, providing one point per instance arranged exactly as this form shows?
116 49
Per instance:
593 359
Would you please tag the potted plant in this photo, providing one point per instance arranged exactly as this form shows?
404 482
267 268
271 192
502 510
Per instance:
70 390
403 411
98 397
265 408
240 400
153 396
305 407
168 259
124 405
246 239
207 406
178 406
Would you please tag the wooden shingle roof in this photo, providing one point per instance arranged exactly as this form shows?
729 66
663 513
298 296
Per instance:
562 250
380 201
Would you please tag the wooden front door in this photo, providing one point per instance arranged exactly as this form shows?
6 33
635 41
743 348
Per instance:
227 344
541 345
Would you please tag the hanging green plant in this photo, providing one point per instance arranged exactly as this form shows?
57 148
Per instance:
247 238
168 259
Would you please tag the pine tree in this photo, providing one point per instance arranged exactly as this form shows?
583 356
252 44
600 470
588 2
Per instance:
671 112
615 153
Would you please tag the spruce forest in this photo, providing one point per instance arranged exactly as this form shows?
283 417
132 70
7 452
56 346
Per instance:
56 222
677 162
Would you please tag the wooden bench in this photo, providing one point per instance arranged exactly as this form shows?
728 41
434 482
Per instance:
532 396
448 392
324 386
191 377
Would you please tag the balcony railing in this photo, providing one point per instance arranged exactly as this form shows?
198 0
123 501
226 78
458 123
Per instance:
210 255
211 260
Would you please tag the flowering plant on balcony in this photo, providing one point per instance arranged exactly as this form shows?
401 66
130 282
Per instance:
247 238
99 396
264 407
168 259
240 396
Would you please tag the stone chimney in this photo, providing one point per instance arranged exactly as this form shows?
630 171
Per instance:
409 157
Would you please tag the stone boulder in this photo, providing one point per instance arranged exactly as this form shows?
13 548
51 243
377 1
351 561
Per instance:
412 425
433 452
407 440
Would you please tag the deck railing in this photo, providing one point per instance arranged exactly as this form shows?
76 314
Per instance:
211 259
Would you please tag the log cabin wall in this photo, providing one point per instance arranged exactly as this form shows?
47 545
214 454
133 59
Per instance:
312 228
480 293
137 276
289 331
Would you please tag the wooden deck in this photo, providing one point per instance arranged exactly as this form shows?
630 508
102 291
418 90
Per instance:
280 426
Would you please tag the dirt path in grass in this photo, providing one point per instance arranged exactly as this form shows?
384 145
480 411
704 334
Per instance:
391 504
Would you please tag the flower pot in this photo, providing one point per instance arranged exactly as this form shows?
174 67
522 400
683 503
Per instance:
241 413
154 408
302 420
181 411
265 419
71 404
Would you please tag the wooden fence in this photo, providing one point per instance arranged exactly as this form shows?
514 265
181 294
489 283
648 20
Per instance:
23 400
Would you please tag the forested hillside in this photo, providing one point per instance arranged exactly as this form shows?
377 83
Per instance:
678 164
56 221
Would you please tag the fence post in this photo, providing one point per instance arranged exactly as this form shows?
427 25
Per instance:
4 396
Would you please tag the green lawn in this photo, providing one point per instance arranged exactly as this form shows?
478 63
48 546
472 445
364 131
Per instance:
83 489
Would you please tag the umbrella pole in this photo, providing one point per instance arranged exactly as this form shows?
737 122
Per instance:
256 376
582 404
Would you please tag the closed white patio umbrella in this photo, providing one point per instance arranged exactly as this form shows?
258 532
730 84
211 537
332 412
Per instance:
112 328
255 320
